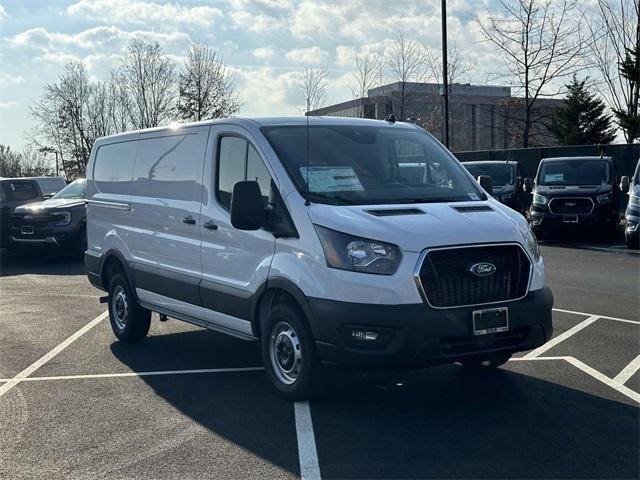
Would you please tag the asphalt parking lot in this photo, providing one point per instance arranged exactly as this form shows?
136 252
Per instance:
190 403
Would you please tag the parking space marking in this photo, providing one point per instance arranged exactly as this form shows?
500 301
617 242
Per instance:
610 382
628 371
138 374
561 310
48 356
307 453
561 338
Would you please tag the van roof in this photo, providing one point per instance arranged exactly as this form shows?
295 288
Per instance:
266 122
490 162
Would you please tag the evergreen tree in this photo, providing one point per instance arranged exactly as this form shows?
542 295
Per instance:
629 119
582 119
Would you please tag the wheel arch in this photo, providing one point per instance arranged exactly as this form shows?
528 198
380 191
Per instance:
111 261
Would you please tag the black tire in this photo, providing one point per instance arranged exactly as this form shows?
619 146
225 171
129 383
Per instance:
289 354
486 363
129 321
81 242
632 243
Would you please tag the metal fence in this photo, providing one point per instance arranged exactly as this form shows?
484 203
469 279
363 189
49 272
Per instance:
625 155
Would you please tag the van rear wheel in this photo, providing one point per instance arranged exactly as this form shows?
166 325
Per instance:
129 321
288 353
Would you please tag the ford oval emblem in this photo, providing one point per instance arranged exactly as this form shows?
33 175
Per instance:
570 204
27 218
483 269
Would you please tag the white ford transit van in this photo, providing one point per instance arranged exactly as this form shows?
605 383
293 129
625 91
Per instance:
344 241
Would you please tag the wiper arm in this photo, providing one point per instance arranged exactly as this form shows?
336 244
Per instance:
339 198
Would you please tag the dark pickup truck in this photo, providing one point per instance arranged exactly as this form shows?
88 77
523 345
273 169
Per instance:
13 193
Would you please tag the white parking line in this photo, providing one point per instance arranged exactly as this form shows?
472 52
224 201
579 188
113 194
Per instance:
561 310
561 338
307 453
137 374
4 388
628 371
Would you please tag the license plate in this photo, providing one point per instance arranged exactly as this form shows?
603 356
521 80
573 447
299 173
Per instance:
28 230
491 320
570 219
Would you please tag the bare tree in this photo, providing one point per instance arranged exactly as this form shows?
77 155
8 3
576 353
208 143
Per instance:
458 69
364 76
314 87
407 63
615 27
28 163
150 80
206 86
541 43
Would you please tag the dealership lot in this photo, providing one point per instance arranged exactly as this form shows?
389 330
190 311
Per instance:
189 403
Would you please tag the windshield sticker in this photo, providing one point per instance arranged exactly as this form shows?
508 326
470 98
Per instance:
332 179
554 177
474 196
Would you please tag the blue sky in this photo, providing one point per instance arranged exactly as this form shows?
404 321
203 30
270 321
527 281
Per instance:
266 43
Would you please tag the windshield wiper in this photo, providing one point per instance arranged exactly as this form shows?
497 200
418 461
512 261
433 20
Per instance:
431 200
339 198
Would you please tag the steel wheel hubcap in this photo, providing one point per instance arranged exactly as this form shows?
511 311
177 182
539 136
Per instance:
120 310
285 353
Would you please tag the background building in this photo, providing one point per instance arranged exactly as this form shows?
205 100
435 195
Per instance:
480 117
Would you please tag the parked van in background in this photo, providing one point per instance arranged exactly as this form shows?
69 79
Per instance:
58 222
632 214
13 193
506 179
575 192
345 241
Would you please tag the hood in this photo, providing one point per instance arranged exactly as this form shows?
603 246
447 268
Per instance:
50 204
572 191
440 224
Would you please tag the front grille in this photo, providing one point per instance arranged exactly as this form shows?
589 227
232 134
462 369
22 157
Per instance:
446 279
571 206
37 221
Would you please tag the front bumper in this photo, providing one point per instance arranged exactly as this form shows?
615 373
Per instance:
57 237
417 335
543 219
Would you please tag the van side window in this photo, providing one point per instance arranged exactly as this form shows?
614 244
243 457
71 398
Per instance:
113 168
237 161
170 167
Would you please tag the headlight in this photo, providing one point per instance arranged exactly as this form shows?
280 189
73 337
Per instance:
64 218
347 252
634 201
606 198
507 197
531 243
539 200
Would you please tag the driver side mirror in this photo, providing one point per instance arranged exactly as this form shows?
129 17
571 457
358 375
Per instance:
528 185
247 206
486 183
624 184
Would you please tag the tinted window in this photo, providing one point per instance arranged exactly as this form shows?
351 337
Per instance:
20 191
237 161
574 172
113 169
171 167
500 174
369 165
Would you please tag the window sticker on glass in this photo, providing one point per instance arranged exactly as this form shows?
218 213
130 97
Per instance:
554 177
474 196
332 179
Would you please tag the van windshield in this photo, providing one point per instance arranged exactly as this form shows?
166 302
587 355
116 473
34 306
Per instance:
354 165
73 190
574 172
501 174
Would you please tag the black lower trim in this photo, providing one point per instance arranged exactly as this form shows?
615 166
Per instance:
184 288
226 299
418 335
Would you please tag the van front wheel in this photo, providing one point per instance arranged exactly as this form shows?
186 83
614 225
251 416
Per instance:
288 353
129 321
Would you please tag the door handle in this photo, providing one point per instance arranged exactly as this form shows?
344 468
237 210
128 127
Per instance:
209 225
189 220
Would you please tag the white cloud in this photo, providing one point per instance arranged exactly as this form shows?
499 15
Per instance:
143 12
344 55
6 78
266 91
8 104
310 55
3 13
263 53
256 22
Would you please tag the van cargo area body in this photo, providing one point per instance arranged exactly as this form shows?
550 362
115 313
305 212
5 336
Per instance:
344 241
